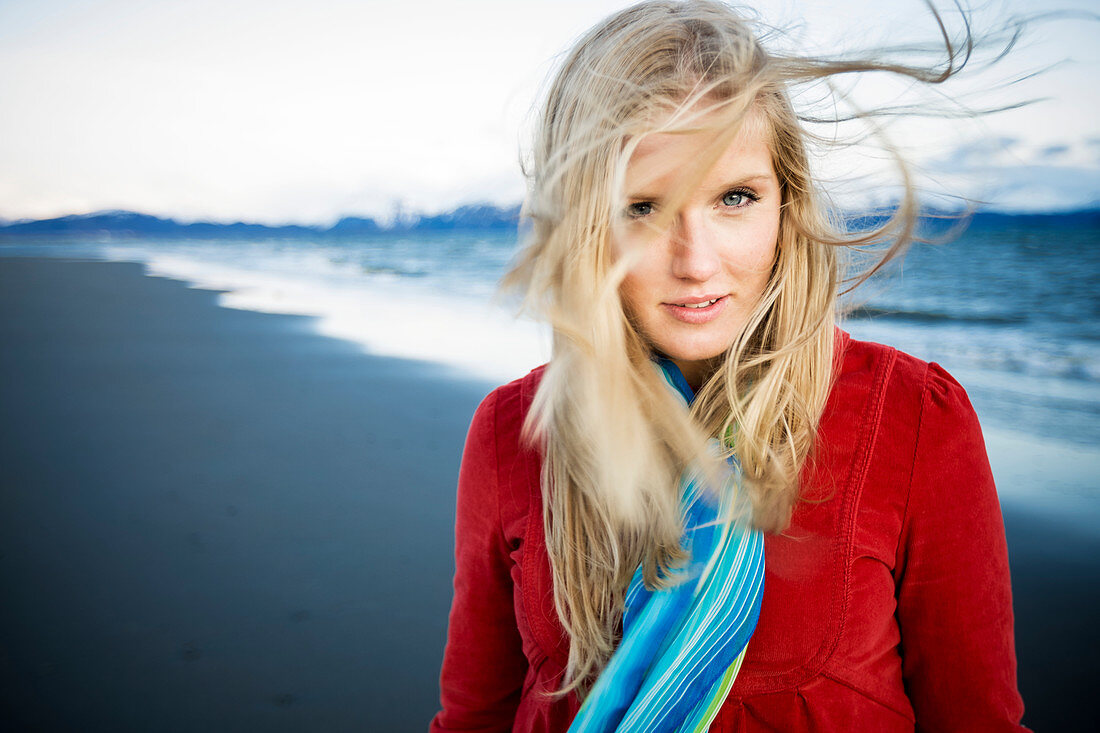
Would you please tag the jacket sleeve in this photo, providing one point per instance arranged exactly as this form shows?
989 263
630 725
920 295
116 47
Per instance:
483 664
954 593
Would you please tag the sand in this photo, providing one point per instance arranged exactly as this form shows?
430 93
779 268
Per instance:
214 519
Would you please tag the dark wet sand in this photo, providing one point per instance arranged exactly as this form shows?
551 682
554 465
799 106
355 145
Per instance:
216 520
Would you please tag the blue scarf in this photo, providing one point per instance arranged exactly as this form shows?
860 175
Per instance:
683 646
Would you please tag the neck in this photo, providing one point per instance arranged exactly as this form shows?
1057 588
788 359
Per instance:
677 379
695 373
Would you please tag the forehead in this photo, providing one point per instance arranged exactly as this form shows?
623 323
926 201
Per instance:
667 158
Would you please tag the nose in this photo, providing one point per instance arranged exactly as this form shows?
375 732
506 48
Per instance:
693 248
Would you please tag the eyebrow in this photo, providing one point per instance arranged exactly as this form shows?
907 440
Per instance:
751 178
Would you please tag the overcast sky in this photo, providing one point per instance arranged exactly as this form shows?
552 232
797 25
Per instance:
279 111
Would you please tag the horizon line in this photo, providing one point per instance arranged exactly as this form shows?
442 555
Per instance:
474 215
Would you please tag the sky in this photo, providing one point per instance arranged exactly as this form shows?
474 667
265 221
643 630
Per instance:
302 112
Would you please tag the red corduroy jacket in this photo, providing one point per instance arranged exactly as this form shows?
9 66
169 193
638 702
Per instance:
886 607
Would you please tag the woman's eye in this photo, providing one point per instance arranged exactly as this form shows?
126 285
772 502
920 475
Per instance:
639 209
737 199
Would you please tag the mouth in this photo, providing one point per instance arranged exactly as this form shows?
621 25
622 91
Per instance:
702 304
695 301
696 311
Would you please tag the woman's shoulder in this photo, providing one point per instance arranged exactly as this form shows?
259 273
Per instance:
500 467
503 410
902 420
897 375
889 408
496 440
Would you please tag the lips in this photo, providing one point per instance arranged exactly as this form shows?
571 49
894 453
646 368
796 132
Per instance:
702 304
696 310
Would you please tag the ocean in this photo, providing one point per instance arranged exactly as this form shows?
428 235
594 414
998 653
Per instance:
1010 307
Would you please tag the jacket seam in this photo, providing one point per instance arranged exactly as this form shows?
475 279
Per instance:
858 477
502 542
527 561
925 390
864 693
532 607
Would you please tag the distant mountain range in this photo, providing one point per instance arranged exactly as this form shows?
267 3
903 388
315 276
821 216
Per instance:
476 217
130 223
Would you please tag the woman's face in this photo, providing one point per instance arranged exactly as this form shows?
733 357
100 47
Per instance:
696 280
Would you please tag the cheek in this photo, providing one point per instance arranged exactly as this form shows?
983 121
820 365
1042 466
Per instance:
643 282
761 244
635 292
752 253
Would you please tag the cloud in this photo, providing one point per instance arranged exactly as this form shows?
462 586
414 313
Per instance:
1053 151
1034 187
1008 174
977 153
1045 188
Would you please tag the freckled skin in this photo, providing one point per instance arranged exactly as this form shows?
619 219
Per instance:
721 243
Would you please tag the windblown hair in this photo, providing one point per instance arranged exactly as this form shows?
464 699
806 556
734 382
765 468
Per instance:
614 439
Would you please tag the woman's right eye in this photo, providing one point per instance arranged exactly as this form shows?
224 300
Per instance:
639 209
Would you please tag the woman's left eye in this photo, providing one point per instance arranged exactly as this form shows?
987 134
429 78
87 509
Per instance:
737 198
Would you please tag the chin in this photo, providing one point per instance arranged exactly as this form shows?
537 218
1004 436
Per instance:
699 352
694 357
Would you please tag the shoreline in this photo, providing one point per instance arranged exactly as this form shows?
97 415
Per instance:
222 518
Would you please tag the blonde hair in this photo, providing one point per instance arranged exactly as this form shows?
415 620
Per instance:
614 440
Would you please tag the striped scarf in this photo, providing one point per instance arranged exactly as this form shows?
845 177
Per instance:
683 646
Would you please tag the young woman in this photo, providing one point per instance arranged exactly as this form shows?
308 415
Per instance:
712 508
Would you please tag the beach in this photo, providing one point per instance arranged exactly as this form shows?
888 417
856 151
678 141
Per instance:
218 519
215 519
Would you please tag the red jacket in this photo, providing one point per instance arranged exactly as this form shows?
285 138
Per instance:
886 607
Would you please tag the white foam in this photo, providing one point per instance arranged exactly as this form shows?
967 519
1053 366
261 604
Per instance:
386 315
1012 351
